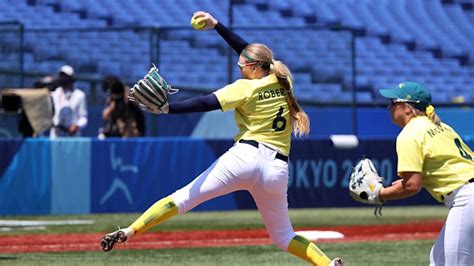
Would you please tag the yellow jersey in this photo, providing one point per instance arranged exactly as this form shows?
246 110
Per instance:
261 111
437 152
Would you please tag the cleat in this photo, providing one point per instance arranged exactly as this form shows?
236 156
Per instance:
109 240
336 262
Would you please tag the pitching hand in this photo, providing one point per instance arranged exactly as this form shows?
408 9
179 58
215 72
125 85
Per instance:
210 21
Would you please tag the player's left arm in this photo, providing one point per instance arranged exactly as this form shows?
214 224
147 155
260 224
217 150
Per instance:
409 185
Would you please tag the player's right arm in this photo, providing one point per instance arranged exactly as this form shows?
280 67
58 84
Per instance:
234 40
409 168
409 185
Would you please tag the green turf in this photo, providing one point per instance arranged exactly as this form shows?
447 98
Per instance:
389 253
241 219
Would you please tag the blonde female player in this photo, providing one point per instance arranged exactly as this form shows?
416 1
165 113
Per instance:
432 155
266 113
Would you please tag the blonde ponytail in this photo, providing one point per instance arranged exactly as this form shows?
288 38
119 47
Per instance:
301 122
260 53
429 112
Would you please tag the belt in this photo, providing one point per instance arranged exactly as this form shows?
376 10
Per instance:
255 144
449 193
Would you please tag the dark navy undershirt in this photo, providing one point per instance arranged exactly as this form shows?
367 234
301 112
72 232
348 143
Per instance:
196 104
209 102
232 39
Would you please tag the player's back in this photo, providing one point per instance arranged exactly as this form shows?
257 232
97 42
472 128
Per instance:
262 113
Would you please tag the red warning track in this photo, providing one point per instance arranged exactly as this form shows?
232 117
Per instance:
219 238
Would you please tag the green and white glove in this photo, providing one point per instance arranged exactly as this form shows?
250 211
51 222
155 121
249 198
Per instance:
152 92
365 184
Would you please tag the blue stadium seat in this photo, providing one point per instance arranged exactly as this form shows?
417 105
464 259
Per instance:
401 39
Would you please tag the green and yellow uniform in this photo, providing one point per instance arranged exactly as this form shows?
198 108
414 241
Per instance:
262 114
261 111
437 152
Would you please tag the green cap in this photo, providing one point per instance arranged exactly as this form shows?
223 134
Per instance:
411 92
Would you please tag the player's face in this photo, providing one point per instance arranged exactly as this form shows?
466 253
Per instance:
247 69
398 113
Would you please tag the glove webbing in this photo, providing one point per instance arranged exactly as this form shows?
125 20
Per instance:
149 96
163 83
156 84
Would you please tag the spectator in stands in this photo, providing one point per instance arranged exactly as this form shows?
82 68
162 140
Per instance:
432 155
122 118
70 106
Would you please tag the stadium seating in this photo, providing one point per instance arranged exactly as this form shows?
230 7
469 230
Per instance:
425 41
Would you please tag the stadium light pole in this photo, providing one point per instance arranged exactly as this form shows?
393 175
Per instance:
155 37
230 12
155 50
353 33
353 82
22 57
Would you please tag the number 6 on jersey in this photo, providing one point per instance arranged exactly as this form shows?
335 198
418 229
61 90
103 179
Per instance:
279 123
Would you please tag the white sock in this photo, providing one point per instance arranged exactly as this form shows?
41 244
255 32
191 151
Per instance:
129 232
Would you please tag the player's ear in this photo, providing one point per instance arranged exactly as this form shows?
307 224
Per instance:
409 110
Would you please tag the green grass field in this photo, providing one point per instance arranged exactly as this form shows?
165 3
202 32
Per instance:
377 253
393 253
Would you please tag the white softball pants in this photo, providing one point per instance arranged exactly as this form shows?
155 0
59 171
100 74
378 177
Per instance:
455 243
245 167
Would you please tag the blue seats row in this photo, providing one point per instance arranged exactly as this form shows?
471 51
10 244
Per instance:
317 58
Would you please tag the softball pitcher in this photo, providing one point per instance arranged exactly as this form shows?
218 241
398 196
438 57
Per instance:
266 112
432 155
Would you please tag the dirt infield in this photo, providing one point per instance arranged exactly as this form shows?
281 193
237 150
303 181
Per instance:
90 242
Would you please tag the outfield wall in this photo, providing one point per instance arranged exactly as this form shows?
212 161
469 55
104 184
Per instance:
87 175
369 122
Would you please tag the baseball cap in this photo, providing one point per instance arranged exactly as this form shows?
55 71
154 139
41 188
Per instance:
67 69
410 92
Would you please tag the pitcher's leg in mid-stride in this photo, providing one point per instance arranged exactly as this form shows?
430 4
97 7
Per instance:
308 251
159 212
